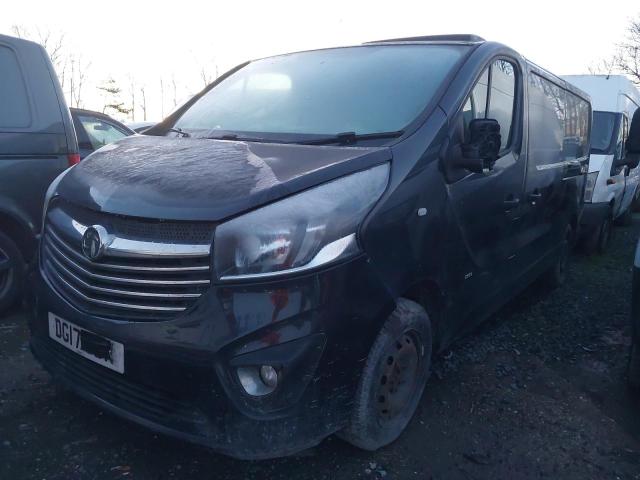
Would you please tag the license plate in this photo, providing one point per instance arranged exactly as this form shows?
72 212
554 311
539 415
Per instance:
91 346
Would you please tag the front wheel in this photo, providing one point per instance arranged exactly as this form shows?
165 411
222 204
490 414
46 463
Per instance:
626 219
393 378
604 235
635 205
598 241
557 274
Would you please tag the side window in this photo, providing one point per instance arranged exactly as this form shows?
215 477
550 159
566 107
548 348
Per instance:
576 127
558 123
625 134
619 153
14 104
476 104
546 121
493 97
501 99
100 132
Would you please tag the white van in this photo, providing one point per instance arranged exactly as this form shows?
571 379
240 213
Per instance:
612 189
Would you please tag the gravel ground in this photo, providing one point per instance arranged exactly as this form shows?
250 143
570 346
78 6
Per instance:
539 391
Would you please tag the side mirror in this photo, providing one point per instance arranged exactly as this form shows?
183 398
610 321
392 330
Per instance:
483 148
633 142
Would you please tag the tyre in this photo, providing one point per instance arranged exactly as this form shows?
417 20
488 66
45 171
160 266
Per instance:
557 274
626 218
393 379
635 205
12 271
604 234
598 241
634 367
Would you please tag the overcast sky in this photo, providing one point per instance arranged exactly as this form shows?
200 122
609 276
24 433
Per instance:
176 40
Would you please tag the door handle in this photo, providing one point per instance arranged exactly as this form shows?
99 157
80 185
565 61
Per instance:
535 196
511 202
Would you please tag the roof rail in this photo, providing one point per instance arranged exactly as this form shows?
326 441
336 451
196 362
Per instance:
458 37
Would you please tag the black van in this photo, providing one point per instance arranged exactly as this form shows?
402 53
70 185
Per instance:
282 257
37 142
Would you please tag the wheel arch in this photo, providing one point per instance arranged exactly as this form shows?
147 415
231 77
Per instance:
16 228
430 296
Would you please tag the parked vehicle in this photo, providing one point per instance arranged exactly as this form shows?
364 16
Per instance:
613 182
94 130
37 142
633 151
279 259
140 127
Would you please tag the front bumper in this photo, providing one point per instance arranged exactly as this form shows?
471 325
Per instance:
592 217
180 376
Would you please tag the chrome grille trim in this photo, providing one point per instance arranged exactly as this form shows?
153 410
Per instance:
121 293
109 266
156 282
126 247
116 304
127 280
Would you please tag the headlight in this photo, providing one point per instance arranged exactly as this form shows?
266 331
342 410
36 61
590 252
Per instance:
590 186
303 231
50 192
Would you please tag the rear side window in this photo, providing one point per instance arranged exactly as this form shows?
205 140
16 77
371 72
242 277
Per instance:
576 127
558 123
14 104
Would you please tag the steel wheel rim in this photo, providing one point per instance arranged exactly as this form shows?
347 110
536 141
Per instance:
398 380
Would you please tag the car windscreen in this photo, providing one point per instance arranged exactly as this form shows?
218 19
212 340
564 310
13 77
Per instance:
365 90
603 132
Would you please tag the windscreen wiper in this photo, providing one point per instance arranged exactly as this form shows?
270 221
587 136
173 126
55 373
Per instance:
346 138
179 131
235 136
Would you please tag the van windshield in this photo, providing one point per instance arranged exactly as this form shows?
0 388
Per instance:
602 133
364 90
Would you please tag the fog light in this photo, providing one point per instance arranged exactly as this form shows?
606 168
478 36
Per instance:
258 381
269 376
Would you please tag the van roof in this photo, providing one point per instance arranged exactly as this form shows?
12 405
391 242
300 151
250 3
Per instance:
452 38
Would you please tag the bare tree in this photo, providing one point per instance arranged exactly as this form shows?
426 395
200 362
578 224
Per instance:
132 91
627 60
83 68
206 76
143 105
70 68
76 77
603 67
175 94
53 43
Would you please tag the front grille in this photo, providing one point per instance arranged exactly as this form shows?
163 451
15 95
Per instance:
139 278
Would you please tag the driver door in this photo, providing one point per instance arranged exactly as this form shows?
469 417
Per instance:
487 206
